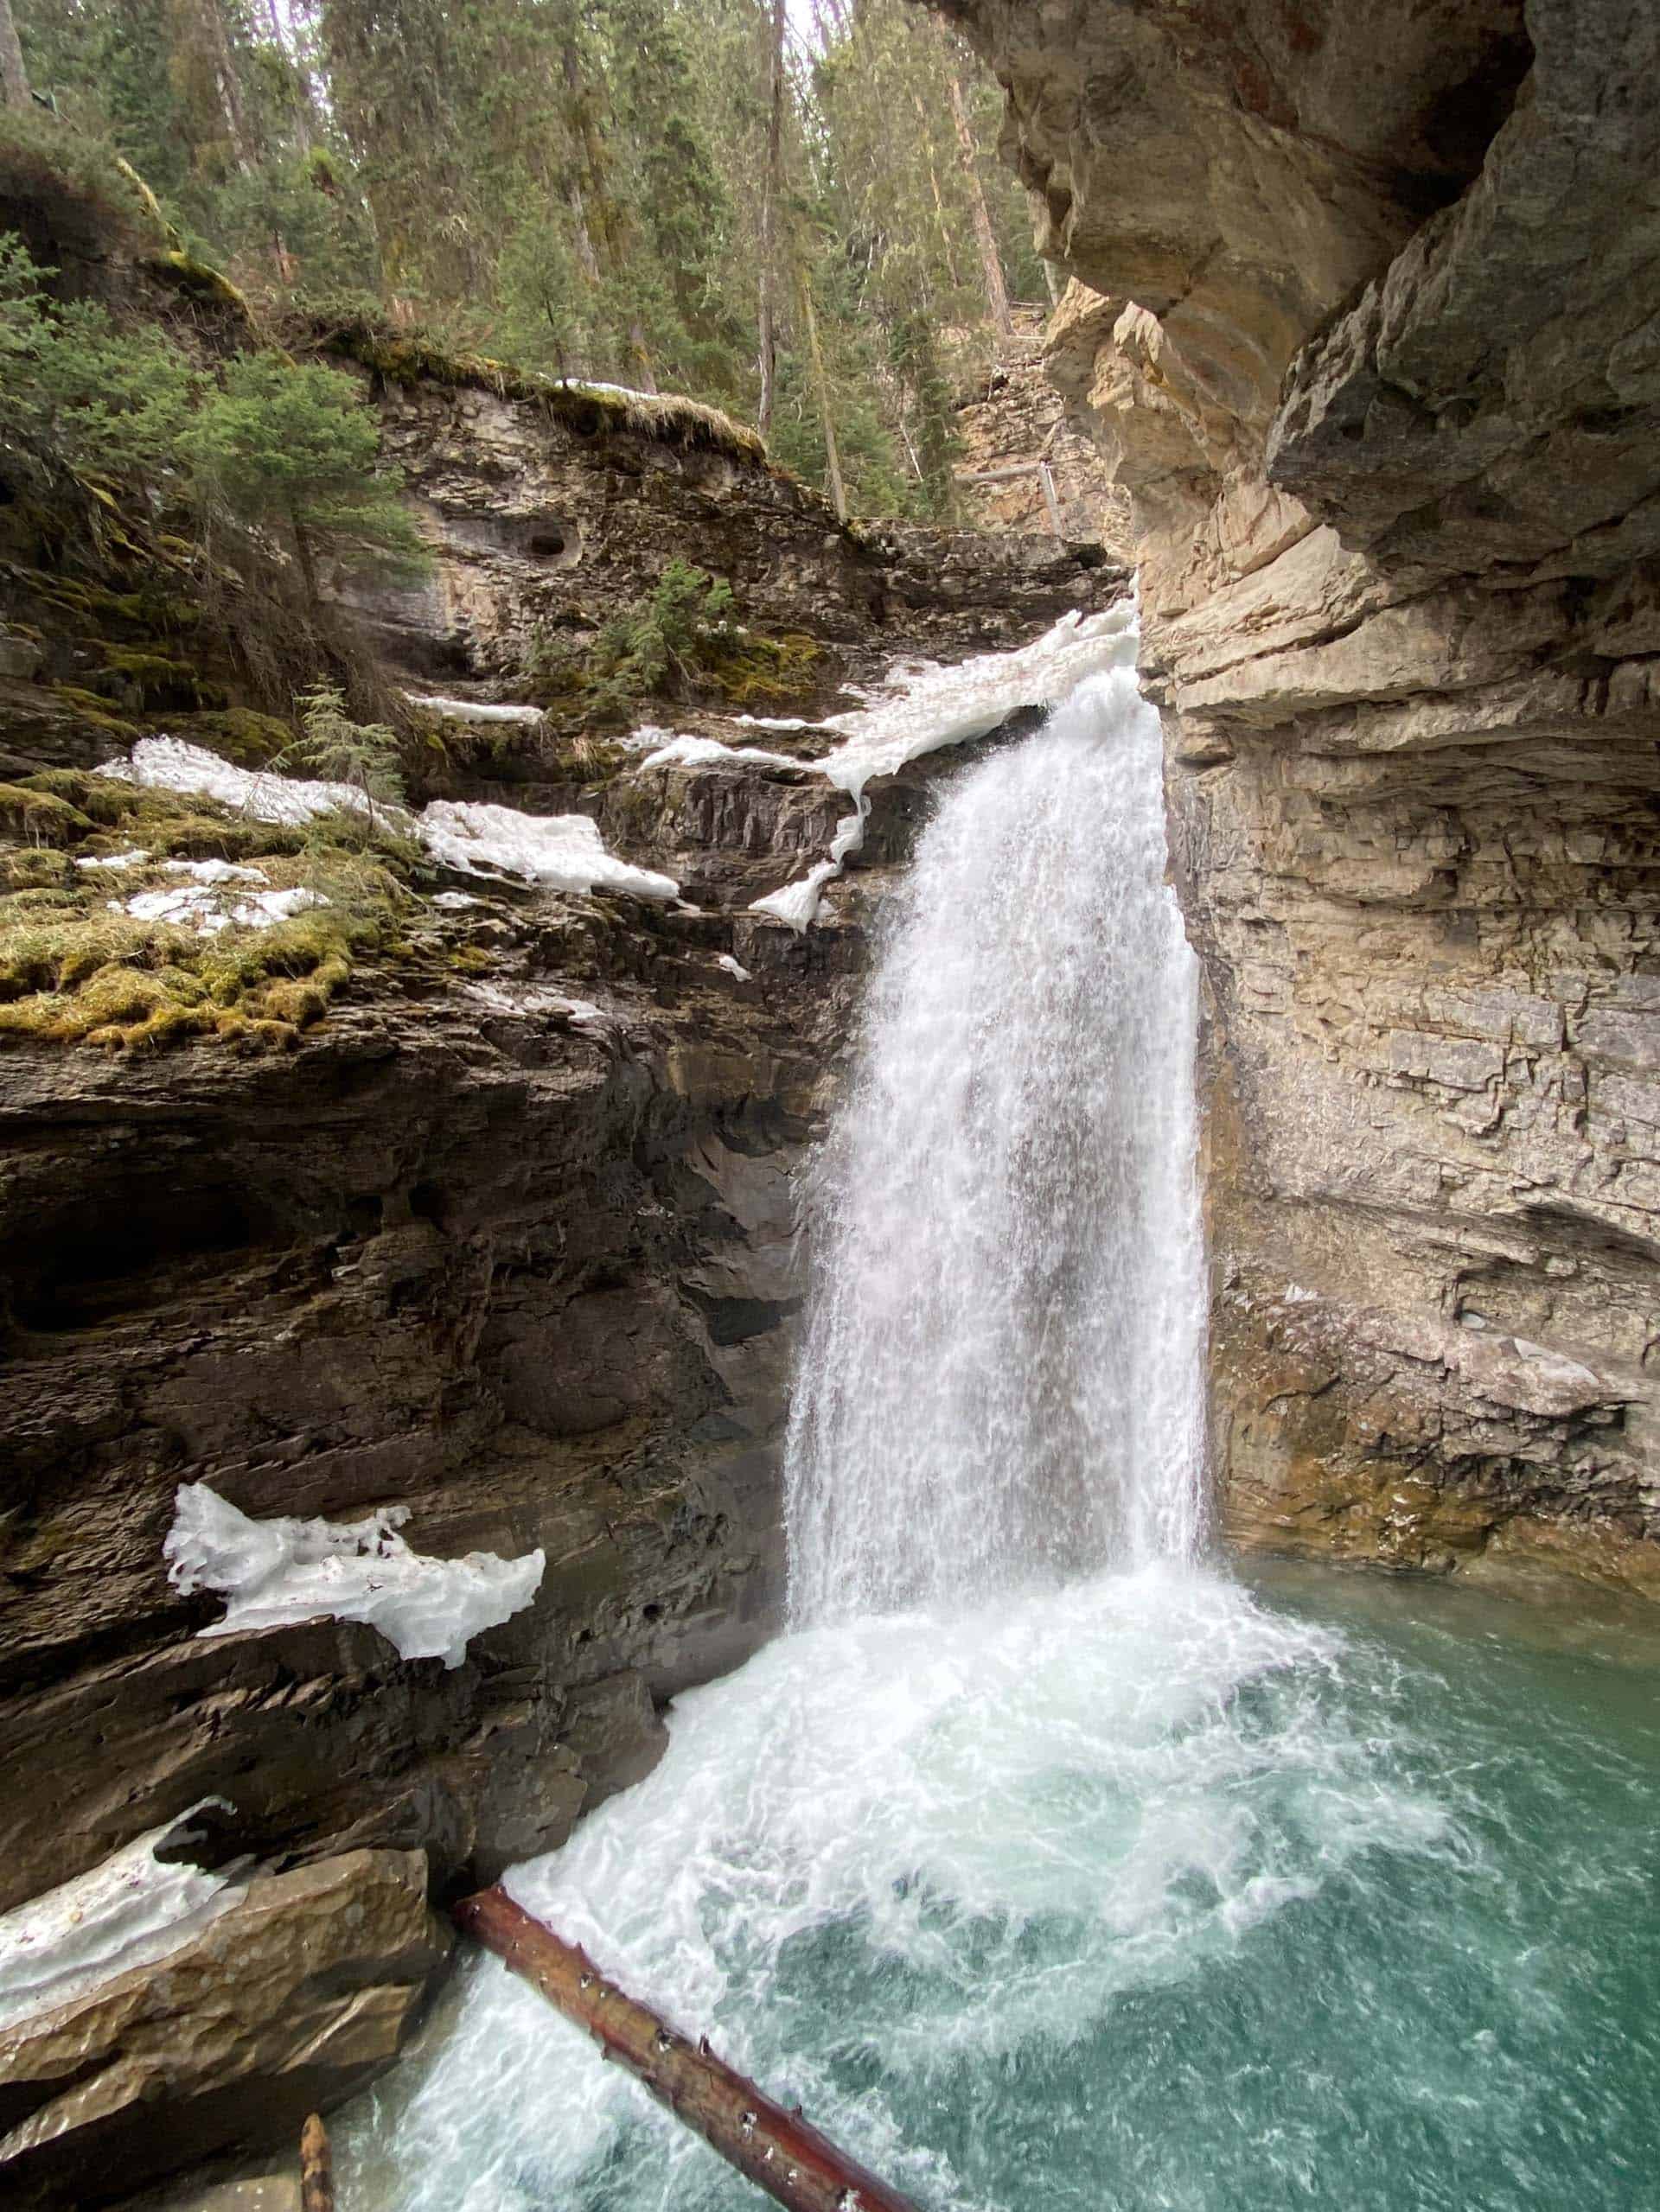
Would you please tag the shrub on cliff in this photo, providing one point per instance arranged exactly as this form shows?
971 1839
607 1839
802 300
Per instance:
292 449
682 640
268 449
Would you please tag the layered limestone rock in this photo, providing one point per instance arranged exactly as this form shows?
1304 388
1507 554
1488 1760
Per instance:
1022 464
1365 323
296 1996
507 1241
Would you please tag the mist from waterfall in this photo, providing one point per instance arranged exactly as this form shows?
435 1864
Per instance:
1001 1380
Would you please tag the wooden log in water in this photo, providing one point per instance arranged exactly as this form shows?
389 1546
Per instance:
778 2150
317 2167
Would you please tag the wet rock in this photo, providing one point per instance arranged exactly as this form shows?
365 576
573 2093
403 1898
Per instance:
1363 322
289 2001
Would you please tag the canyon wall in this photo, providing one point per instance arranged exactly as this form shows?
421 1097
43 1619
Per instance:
506 1239
1366 321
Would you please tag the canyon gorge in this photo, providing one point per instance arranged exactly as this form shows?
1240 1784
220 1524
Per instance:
1352 390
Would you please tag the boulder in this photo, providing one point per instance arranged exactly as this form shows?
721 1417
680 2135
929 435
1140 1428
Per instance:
289 2001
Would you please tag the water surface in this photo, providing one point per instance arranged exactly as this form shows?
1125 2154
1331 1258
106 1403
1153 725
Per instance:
1158 1891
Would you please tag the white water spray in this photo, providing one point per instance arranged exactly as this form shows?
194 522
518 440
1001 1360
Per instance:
1134 1892
1002 1377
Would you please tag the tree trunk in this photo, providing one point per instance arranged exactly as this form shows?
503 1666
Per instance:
13 78
776 2149
305 107
822 386
771 195
997 292
221 59
307 564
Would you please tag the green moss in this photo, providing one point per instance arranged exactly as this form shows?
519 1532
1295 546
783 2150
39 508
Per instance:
759 671
73 971
33 868
409 357
200 280
143 681
90 708
39 817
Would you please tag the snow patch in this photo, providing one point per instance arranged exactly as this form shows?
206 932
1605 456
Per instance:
130 1910
922 707
454 901
797 904
565 852
274 1572
739 974
216 872
168 764
129 859
207 909
701 752
581 1013
474 709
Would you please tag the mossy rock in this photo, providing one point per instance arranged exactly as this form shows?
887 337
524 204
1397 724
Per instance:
92 707
41 817
142 682
34 868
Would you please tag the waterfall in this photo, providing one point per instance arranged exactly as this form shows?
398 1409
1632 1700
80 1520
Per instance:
1145 1889
1001 1381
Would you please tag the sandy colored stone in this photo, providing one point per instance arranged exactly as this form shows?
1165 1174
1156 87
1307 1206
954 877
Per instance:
290 2000
1363 317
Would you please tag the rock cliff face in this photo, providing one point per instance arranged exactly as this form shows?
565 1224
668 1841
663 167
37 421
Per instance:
1022 463
1366 324
507 1240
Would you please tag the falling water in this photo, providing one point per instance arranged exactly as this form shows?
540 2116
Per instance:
1002 1375
1051 1869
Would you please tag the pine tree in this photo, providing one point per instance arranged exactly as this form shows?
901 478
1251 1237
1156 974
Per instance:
292 450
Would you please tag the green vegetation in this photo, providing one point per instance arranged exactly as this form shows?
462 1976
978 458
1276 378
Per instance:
335 748
683 642
797 217
72 970
291 448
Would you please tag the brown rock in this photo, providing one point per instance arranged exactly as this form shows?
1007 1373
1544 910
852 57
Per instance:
292 1998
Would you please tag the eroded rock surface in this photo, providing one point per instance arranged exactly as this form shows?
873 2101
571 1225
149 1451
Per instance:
508 1239
295 1997
1366 325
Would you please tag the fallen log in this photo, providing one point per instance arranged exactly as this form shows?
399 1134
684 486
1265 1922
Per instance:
778 2150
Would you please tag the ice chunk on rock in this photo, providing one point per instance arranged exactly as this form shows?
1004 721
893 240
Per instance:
274 1572
565 852
132 1910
